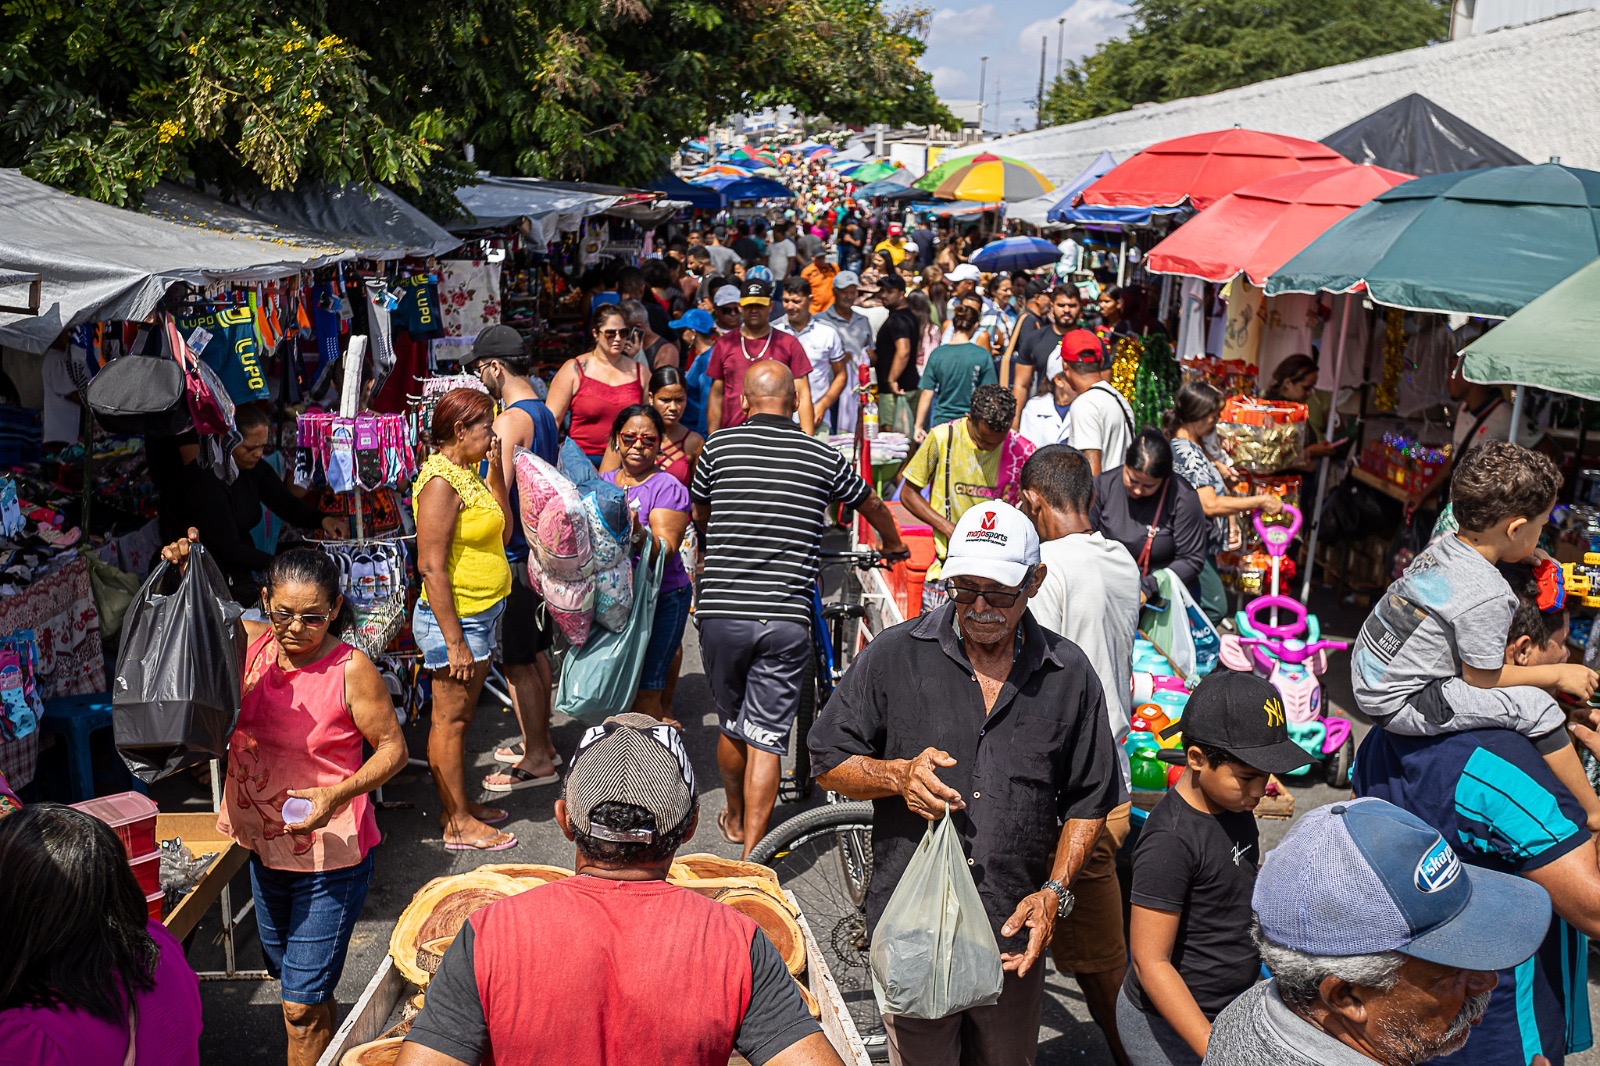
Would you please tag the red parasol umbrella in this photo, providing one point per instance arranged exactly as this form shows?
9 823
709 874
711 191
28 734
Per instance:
1203 168
1255 230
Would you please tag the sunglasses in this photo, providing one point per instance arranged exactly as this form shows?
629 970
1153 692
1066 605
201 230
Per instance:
967 594
612 334
630 439
285 619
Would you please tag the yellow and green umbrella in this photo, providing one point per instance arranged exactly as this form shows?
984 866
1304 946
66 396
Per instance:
986 178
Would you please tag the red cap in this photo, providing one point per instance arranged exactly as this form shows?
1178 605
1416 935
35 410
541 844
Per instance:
895 230
1081 346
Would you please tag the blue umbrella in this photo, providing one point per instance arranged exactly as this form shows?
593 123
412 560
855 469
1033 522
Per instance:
1015 253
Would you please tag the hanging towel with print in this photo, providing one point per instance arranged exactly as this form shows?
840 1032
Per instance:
469 299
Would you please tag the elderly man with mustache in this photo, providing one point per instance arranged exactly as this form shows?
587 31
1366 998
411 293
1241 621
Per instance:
1383 945
977 710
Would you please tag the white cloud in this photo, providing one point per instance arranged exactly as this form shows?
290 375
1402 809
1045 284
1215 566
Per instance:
948 80
1089 24
960 28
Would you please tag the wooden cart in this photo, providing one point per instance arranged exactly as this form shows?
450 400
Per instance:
388 987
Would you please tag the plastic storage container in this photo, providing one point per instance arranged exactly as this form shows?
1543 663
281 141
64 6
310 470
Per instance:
152 904
132 815
147 871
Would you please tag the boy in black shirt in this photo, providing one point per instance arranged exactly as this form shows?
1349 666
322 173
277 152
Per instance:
1195 867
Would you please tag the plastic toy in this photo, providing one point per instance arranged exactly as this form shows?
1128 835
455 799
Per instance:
1290 653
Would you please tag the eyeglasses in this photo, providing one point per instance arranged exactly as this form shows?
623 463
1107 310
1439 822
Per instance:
613 334
285 619
1001 599
630 439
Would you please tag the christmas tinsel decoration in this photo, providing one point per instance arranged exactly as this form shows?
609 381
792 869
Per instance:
1125 367
1386 397
1156 383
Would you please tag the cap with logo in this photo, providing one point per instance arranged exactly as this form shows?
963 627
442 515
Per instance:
695 319
846 278
755 291
895 229
634 759
1080 346
1243 715
726 296
1363 876
964 272
994 541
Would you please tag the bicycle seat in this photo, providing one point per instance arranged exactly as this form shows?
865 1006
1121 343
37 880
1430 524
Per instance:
832 611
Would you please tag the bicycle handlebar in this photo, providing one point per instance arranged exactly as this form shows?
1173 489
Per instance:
869 559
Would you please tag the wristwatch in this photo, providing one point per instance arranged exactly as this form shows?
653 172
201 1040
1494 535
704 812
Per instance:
1066 897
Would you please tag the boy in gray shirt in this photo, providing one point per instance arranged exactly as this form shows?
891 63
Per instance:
1431 657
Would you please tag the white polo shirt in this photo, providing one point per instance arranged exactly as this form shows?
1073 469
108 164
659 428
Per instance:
823 347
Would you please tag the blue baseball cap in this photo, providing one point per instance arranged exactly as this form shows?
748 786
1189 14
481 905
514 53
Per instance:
1363 876
695 319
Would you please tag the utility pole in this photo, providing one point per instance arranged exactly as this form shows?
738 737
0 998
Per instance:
983 72
1061 43
1038 110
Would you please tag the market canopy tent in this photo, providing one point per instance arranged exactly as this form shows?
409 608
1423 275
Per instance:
1553 343
1063 211
553 207
1479 242
1255 230
749 188
101 263
1201 169
986 178
1414 135
358 224
696 196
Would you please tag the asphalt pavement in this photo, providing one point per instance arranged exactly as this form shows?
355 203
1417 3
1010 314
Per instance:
242 1020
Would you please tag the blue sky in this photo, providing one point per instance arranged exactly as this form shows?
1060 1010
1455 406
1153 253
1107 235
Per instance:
1008 32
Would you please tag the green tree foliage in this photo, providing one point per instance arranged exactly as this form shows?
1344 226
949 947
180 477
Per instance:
105 99
1179 48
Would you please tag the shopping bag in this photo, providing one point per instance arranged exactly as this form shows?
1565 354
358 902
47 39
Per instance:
176 696
602 677
1181 632
933 953
114 592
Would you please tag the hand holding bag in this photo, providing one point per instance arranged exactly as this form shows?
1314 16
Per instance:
601 678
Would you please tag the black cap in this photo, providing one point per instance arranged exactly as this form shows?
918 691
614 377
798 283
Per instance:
1241 714
497 342
755 291
892 281
1035 287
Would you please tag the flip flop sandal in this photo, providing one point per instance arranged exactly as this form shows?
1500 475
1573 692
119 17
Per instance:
722 826
503 816
482 843
515 753
520 779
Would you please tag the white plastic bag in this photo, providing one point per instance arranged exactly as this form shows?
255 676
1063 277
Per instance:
933 953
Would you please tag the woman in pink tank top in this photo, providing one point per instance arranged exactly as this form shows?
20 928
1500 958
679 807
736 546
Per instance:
594 387
296 791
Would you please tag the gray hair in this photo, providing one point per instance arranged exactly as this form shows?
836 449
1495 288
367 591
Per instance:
634 310
1300 976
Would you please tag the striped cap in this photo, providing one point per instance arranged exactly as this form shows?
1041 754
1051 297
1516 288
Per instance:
633 759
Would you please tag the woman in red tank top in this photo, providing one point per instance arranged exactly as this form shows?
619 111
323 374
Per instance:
308 703
592 388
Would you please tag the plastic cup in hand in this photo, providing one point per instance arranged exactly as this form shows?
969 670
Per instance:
296 809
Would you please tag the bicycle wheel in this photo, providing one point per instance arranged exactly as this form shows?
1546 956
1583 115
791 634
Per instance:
824 856
796 784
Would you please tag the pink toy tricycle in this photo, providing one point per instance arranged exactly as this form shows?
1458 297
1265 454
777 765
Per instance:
1289 652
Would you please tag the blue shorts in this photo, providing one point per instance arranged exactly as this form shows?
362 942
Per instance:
482 631
305 920
666 634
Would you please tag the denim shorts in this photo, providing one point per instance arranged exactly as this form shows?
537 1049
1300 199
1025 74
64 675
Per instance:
305 920
666 634
482 631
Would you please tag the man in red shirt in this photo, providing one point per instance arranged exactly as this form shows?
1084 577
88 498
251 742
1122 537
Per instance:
755 339
614 965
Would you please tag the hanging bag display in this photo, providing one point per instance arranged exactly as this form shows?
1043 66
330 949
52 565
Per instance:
933 952
601 678
139 395
210 416
176 696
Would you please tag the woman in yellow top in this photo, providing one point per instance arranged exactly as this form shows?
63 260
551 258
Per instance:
462 532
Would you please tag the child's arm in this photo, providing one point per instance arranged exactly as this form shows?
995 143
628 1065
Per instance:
1151 936
1574 679
1568 768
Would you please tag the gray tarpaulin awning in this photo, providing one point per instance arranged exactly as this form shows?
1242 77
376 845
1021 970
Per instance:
356 224
100 262
554 207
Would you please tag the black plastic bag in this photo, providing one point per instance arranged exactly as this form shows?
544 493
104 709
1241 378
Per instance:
176 696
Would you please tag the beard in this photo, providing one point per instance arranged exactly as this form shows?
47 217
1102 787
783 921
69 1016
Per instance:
1400 1035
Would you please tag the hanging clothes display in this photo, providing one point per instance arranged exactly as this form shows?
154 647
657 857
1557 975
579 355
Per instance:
368 451
374 580
469 300
1191 318
1288 326
1241 337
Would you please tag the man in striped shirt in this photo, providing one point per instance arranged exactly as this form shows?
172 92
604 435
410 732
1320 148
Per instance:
761 492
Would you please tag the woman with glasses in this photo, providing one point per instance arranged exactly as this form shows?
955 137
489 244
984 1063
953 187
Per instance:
462 535
296 792
592 388
662 503
680 445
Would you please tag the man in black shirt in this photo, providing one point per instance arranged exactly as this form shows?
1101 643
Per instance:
748 248
898 340
1032 364
1035 317
976 709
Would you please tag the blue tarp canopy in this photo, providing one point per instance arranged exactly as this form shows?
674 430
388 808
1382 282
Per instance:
697 196
751 188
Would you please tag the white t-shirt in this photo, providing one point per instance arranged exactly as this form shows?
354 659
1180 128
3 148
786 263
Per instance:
877 316
1496 426
824 347
1042 424
1090 595
1102 420
778 255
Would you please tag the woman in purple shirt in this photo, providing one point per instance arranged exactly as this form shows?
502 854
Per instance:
75 942
662 504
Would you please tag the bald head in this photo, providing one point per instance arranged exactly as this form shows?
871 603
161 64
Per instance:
768 389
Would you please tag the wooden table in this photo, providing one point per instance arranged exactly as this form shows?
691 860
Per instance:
1387 487
199 833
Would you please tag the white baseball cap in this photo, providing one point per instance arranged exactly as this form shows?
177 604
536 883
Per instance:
994 541
728 294
964 272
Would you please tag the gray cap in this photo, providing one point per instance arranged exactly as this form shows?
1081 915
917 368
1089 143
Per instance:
498 342
728 294
846 278
635 759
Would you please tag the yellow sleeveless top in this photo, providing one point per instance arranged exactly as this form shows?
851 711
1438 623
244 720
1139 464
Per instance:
480 576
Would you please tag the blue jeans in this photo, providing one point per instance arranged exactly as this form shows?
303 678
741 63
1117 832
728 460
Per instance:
305 920
666 634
